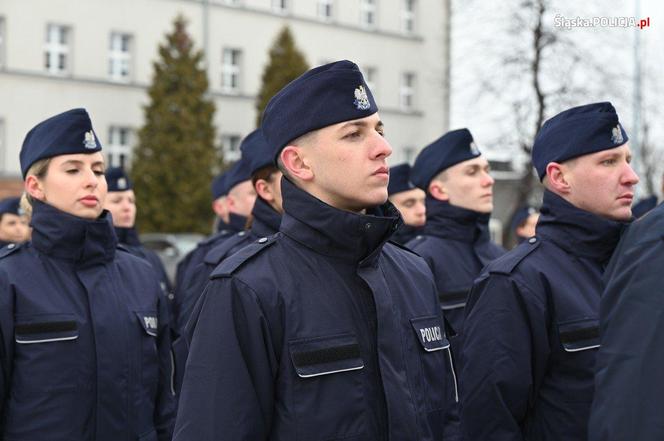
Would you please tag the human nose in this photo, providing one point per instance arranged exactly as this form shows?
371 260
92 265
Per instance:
380 148
630 177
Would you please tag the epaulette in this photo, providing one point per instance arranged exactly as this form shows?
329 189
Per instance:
122 247
218 252
403 247
9 249
229 265
506 263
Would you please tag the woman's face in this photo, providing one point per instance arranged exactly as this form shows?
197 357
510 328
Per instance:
73 183
122 206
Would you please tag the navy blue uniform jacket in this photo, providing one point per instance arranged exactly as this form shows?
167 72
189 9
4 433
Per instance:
456 244
186 266
629 382
322 332
265 223
531 332
84 347
128 238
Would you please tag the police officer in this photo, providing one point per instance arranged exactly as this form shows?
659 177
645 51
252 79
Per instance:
409 200
265 219
84 349
628 382
233 198
455 242
325 330
13 227
531 331
524 222
121 203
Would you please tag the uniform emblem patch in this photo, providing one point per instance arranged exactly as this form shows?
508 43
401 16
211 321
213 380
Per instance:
122 183
151 324
89 141
361 99
430 333
616 135
473 148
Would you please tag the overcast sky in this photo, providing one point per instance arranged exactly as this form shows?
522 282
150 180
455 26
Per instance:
486 34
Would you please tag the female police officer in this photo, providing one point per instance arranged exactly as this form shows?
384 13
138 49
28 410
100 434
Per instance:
121 203
83 350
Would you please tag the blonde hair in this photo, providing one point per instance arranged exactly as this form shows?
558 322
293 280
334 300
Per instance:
38 170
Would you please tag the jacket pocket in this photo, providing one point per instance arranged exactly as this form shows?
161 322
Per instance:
435 360
46 329
579 335
328 395
149 355
326 355
49 355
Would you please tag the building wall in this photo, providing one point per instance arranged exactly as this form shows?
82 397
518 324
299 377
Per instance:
29 94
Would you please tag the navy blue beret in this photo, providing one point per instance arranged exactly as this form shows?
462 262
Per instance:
218 186
399 179
521 215
117 179
256 151
448 150
67 133
10 206
575 132
236 173
320 97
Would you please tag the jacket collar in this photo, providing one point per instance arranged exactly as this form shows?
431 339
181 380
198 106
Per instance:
577 231
356 238
62 235
266 219
448 221
127 236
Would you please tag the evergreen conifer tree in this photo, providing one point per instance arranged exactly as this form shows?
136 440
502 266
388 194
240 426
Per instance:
175 156
286 63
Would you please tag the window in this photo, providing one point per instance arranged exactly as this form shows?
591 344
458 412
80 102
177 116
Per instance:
230 71
230 147
280 6
119 57
407 91
370 77
368 13
2 42
408 154
408 16
119 147
57 53
325 9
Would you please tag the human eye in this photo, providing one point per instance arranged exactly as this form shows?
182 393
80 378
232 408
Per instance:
71 171
352 135
609 162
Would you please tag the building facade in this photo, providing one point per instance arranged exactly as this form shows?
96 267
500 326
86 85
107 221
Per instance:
98 54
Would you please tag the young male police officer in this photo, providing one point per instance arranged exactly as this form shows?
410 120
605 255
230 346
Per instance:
409 200
455 242
233 196
325 330
531 330
13 226
266 217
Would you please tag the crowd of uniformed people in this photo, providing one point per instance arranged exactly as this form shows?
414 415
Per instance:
338 299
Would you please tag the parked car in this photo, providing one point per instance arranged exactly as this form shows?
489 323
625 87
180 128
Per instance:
171 248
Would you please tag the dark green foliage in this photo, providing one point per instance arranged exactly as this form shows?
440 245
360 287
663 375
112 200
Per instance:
175 156
286 63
